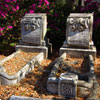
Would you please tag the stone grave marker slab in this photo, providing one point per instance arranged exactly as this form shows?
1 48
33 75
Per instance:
67 86
79 30
33 28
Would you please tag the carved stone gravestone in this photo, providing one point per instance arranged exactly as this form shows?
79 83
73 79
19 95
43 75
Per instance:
79 30
33 28
78 41
68 85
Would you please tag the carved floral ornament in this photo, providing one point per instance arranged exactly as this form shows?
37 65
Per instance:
31 24
78 24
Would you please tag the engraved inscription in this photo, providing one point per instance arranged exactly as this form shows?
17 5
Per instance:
66 89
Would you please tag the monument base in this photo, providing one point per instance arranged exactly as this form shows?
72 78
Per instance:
37 49
21 42
75 52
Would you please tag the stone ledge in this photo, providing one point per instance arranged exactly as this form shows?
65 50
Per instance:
74 52
33 49
25 98
6 79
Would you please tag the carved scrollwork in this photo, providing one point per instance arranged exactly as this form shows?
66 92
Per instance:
31 24
78 24
35 23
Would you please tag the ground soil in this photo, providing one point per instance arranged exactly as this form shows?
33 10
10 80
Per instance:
78 61
34 85
78 64
2 56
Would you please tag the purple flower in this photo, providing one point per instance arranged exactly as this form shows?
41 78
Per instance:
33 6
14 0
17 7
31 11
14 9
3 14
46 2
7 0
6 5
10 27
1 29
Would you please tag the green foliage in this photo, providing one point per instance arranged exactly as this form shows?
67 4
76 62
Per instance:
56 10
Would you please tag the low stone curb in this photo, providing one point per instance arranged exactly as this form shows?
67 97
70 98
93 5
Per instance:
84 86
25 98
6 79
52 83
30 98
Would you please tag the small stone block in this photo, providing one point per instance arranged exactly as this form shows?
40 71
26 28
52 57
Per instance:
67 87
52 85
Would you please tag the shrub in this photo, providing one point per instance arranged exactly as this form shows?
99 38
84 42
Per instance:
92 6
11 12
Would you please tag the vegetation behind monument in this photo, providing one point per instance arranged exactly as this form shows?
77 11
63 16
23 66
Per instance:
11 12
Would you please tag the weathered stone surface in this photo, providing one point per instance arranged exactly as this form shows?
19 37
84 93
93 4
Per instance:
6 79
83 92
33 28
79 30
52 85
85 81
73 52
37 49
68 85
95 91
24 98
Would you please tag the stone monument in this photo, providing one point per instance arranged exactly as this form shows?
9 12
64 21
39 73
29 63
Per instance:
79 30
33 33
33 28
79 35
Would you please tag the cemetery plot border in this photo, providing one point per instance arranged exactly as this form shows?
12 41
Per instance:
86 85
25 98
6 79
